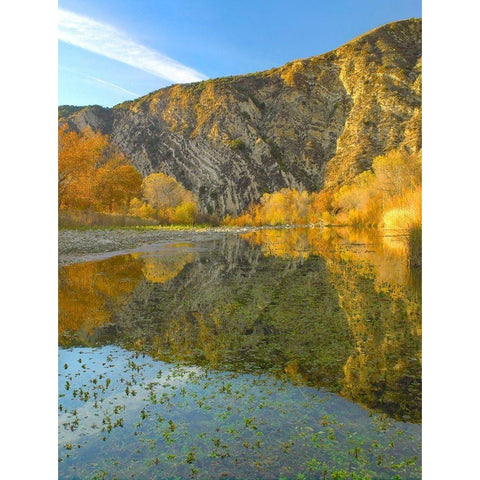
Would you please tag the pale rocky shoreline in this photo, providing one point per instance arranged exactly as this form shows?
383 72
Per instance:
78 245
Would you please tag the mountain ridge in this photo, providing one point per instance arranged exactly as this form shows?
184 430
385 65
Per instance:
310 124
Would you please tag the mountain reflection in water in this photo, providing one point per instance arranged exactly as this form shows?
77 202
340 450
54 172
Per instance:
331 308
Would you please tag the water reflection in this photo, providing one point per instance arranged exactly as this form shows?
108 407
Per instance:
381 298
125 415
333 308
90 292
387 253
159 269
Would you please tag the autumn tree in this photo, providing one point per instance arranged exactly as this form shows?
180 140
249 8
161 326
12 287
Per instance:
388 195
116 184
67 164
321 207
79 154
171 201
141 209
162 191
397 171
93 174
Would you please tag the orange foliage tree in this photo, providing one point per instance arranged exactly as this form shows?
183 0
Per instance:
92 174
116 183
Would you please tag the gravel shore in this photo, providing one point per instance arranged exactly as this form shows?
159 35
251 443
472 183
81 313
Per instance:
76 246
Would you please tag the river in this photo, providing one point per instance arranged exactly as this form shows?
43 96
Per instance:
282 353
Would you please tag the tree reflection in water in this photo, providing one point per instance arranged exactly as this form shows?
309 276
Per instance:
335 308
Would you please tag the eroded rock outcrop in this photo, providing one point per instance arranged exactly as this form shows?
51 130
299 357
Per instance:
311 124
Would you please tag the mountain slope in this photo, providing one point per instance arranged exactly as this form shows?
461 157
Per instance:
311 124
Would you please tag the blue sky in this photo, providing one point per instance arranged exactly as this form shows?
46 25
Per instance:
111 51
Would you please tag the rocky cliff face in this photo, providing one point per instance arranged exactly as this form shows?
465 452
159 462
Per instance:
311 124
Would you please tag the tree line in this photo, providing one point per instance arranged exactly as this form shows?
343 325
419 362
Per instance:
95 176
388 195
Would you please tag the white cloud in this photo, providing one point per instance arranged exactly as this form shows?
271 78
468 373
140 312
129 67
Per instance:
110 42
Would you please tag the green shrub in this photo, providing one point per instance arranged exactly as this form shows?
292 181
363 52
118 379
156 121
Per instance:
237 144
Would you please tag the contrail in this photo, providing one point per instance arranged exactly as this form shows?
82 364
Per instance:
110 42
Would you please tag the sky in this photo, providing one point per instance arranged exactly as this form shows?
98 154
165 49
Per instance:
110 51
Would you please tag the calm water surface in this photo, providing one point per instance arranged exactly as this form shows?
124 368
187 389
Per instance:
282 354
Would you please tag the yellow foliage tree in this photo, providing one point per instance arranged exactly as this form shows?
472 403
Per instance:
277 208
185 213
319 207
162 191
141 209
359 202
170 200
388 195
397 171
399 179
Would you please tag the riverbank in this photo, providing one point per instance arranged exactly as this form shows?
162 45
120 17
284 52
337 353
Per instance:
80 245
85 244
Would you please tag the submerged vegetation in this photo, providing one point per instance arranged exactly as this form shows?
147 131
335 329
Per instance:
123 415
